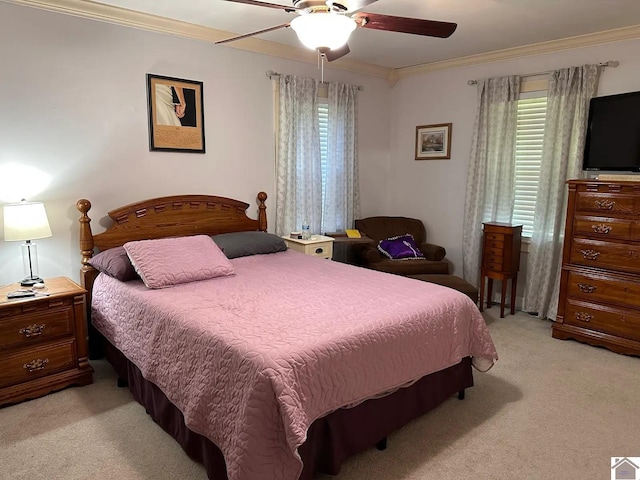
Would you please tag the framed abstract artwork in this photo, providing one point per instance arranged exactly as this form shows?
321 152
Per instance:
176 114
433 142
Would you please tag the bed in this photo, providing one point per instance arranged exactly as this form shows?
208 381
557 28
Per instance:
278 364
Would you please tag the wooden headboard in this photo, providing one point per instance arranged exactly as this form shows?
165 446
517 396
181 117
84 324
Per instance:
174 216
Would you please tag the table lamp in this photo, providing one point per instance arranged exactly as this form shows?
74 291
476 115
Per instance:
27 221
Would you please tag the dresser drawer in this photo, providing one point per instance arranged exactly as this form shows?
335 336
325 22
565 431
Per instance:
493 260
489 236
498 252
601 318
603 290
27 328
605 228
607 255
497 244
22 366
607 203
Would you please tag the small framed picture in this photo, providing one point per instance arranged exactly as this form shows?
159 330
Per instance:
433 142
176 114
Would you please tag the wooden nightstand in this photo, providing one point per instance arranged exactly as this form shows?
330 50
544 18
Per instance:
317 246
43 341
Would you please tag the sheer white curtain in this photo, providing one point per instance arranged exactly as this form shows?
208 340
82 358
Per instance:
298 162
322 194
569 92
341 194
491 176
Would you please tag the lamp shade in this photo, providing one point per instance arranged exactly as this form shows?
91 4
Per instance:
25 221
323 29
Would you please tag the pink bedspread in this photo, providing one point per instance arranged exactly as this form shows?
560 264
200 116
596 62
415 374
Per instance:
253 359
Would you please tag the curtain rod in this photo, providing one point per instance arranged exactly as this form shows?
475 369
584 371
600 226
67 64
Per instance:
271 75
610 63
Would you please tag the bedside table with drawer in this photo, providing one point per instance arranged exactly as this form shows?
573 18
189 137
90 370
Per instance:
43 341
317 246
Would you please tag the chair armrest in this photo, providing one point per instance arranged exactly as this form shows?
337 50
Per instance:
432 252
368 253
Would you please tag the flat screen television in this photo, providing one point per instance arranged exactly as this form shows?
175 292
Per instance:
613 133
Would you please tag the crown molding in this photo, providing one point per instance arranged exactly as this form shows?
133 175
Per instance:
608 36
144 21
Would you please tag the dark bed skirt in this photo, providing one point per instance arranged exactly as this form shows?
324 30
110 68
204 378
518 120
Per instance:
330 440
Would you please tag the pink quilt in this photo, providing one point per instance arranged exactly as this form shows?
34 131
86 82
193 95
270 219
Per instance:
253 359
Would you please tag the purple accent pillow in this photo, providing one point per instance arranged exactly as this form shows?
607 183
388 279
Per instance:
402 247
115 263
166 262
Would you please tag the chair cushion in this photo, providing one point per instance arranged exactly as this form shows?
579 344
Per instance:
414 267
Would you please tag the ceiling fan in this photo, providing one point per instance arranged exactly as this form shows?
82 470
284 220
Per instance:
325 26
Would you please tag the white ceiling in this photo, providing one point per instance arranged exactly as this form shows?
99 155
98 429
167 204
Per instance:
483 25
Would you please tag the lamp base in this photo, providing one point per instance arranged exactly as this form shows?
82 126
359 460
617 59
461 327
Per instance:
31 281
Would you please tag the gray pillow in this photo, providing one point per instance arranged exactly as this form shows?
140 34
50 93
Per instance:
243 244
115 263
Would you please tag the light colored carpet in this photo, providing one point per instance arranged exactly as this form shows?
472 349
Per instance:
548 409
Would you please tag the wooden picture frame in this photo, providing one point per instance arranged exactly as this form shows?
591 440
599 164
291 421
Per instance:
176 114
433 142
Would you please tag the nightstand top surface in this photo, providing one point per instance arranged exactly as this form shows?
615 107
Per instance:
55 286
312 240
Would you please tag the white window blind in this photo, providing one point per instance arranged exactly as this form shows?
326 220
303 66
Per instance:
532 114
323 129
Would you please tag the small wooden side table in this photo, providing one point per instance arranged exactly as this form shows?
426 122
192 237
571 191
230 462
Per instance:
43 341
500 260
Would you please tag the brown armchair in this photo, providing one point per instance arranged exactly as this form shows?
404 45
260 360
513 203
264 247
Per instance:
380 228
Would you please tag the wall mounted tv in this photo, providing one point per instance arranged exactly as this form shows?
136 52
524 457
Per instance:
613 133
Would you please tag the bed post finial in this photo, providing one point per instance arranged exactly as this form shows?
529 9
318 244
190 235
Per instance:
86 237
262 212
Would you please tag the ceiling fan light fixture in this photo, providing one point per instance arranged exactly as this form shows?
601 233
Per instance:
323 30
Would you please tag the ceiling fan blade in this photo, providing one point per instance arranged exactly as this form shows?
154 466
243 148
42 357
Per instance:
429 28
348 5
337 53
287 8
240 37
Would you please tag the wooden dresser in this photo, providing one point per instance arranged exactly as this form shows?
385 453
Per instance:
600 285
500 260
43 341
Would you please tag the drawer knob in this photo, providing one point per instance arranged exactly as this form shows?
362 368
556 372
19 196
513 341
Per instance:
605 204
319 250
602 228
586 288
590 254
32 330
35 365
583 316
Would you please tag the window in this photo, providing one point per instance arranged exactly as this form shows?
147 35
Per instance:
532 113
323 130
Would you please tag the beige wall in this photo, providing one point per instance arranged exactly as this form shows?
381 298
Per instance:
73 106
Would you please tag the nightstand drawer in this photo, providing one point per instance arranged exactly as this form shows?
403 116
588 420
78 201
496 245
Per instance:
26 329
324 249
36 362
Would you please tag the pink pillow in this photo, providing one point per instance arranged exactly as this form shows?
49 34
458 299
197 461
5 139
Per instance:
166 262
